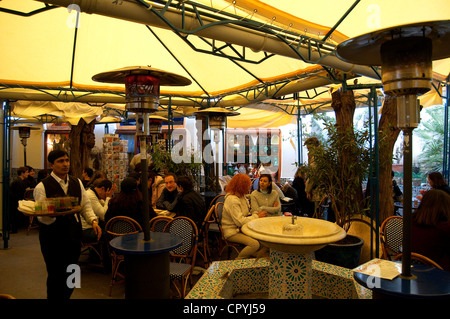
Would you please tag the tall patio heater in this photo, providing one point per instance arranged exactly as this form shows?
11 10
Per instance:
155 123
405 54
217 122
142 97
24 134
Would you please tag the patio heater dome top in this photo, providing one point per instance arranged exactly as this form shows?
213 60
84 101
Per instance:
24 130
119 76
365 49
162 114
216 115
405 53
216 110
31 127
142 85
157 117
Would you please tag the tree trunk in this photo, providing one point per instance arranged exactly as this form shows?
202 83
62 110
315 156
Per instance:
82 140
343 104
388 134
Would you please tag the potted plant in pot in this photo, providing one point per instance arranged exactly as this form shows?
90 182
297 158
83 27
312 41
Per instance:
335 173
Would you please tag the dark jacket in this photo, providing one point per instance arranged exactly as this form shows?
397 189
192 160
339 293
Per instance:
167 200
305 206
129 205
192 205
444 188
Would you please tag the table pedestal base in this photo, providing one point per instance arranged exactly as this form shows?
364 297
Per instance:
290 275
147 276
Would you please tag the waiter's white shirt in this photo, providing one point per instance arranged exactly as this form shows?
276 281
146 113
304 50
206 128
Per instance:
86 208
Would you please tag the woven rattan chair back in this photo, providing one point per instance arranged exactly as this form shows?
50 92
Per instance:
420 259
115 227
392 236
158 223
185 228
121 225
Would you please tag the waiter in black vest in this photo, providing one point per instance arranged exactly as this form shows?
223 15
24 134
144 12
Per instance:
60 236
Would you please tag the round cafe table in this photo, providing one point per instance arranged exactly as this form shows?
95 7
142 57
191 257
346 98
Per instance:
427 282
146 263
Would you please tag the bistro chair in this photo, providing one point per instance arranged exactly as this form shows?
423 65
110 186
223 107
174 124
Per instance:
214 226
115 227
391 235
219 198
420 259
203 248
223 243
183 257
158 223
96 247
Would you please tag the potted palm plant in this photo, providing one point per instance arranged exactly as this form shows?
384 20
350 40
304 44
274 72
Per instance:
336 172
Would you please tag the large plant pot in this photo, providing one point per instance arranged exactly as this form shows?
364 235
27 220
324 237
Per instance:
344 253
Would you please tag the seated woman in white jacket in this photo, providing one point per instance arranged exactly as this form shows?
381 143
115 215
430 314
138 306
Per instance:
236 213
265 198
99 195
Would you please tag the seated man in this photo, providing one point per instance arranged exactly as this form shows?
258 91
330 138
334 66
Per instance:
190 203
169 196
86 176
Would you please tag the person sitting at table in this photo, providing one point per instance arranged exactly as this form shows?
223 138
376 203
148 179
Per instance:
99 195
289 205
437 181
190 203
265 198
96 178
86 175
304 205
169 196
236 213
128 203
275 187
31 180
156 186
430 232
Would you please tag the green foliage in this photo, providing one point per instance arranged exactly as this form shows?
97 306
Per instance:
338 169
162 160
317 122
432 132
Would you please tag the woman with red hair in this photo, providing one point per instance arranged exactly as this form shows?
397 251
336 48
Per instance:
236 213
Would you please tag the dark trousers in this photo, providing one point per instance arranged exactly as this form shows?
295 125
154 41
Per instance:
61 247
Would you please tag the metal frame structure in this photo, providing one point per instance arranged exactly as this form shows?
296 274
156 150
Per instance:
294 40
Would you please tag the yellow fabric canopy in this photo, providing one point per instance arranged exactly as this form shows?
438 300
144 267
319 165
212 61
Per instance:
46 58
